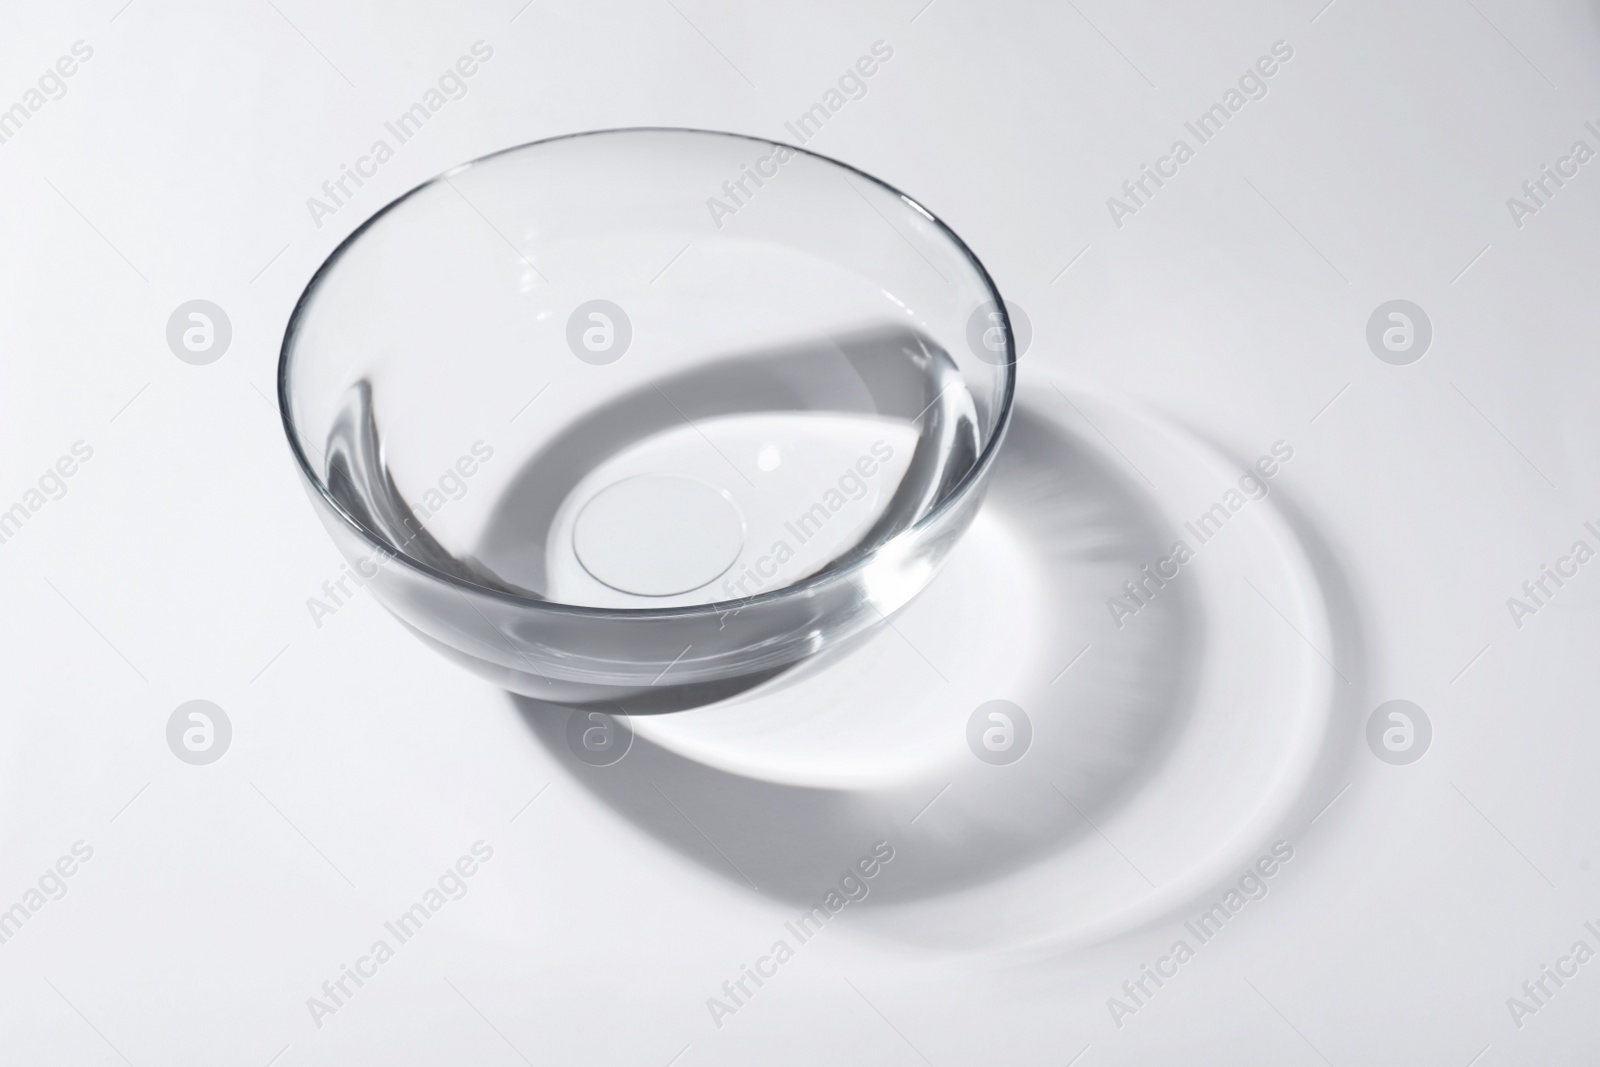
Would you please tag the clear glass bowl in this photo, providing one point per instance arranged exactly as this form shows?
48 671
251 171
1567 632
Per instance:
643 417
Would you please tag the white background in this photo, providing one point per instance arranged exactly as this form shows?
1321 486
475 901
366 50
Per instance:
178 564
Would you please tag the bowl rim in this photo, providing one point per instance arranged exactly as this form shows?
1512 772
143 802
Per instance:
970 481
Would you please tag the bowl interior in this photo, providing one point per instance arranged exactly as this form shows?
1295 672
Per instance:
646 369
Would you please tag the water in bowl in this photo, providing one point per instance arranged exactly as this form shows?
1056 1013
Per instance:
737 477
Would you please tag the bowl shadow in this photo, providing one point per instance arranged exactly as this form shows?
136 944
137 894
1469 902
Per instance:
1079 524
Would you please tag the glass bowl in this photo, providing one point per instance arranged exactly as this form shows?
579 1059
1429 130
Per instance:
644 417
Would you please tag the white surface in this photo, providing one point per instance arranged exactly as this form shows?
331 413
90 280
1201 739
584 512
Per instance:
179 561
